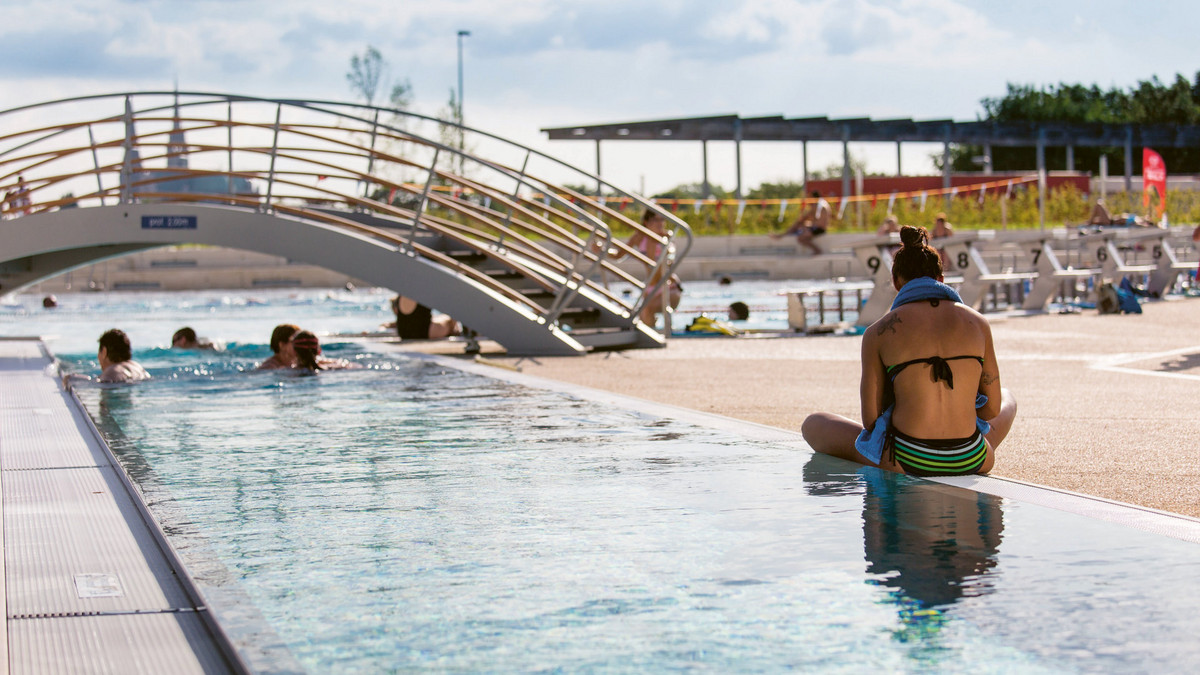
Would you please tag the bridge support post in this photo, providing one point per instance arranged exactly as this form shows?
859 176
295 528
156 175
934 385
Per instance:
416 222
96 163
274 153
371 156
229 178
127 164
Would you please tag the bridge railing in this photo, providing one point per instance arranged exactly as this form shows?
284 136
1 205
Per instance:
328 161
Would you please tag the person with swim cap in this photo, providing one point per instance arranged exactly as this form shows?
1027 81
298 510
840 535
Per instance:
931 399
308 354
116 359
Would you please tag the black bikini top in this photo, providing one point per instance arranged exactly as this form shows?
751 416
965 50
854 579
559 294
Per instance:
941 369
941 373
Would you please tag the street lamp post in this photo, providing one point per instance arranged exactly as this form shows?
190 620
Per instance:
461 141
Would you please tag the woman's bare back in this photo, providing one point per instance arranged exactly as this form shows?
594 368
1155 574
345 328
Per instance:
927 407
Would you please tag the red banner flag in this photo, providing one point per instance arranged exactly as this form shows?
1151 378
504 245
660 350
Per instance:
1154 175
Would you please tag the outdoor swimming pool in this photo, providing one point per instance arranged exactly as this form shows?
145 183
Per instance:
411 515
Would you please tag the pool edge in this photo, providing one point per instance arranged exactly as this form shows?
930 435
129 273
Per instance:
1165 523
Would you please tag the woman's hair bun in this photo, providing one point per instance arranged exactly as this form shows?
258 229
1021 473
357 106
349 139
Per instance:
912 236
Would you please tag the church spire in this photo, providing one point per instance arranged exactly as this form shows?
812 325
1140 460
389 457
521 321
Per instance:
176 147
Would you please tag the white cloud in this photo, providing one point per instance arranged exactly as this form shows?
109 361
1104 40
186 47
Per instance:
534 63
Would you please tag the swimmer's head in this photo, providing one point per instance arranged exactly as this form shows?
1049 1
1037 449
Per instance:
307 349
116 345
282 333
739 311
184 338
916 258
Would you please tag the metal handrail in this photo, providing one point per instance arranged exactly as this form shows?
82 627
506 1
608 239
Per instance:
22 151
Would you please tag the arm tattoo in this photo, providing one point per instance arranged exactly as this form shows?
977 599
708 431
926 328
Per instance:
890 324
988 378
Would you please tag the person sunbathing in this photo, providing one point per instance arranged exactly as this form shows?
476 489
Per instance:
931 399
810 224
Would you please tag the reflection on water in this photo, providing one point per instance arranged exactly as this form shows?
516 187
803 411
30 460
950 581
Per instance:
931 545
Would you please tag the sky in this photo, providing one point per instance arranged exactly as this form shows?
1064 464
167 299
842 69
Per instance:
531 64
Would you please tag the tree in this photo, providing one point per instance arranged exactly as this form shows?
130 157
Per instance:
366 71
1150 102
834 169
692 191
401 97
788 190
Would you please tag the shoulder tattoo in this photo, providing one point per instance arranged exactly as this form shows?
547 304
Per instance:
889 324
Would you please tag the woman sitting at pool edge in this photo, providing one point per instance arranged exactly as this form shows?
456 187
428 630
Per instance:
931 397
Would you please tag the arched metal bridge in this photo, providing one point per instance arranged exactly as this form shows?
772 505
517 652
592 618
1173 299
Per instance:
486 230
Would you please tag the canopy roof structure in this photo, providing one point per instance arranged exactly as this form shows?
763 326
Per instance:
863 129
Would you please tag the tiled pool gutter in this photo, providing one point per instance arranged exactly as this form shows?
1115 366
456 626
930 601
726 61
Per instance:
90 583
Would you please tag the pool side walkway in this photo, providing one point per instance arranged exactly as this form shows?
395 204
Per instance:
89 585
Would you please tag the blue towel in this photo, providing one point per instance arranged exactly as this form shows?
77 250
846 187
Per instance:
924 288
870 443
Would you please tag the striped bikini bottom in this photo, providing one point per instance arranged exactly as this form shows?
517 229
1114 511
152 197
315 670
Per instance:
938 457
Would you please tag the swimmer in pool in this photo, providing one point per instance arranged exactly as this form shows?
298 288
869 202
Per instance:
281 344
116 359
185 338
923 365
308 354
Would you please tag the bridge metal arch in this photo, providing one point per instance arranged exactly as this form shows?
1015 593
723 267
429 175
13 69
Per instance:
78 236
540 246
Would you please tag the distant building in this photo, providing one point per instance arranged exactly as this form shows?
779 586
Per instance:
177 158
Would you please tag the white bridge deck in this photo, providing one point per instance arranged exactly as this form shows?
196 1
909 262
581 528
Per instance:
89 583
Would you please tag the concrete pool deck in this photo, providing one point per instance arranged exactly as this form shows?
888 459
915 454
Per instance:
1107 404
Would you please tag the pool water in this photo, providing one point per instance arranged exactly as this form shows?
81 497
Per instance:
409 515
